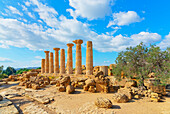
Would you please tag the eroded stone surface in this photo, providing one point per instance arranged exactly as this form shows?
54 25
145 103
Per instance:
9 110
5 102
32 108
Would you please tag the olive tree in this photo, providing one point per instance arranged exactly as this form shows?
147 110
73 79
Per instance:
137 62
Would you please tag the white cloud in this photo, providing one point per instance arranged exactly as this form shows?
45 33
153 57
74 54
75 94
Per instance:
14 10
38 57
124 18
143 12
25 20
35 63
24 8
32 16
62 31
46 13
27 3
40 21
165 42
105 43
2 59
90 9
106 61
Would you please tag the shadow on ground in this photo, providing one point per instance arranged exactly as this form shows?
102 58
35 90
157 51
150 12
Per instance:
116 107
4 86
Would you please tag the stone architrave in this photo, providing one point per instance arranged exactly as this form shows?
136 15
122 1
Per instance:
69 58
62 61
51 68
89 58
78 69
42 66
46 61
56 60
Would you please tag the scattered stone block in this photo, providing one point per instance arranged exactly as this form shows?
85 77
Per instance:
131 83
65 81
90 82
53 82
103 103
158 89
35 86
98 73
155 99
70 89
61 89
85 88
137 96
80 84
22 83
113 89
120 98
46 83
91 89
125 91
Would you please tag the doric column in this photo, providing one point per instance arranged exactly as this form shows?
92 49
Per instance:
89 58
46 61
42 66
56 60
62 61
51 68
69 58
78 69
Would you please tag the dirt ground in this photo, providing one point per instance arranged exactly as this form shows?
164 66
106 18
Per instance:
80 103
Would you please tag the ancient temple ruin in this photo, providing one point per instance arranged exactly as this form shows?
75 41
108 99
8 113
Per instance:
48 66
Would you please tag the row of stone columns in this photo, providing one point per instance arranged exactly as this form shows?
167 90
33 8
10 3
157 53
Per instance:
47 65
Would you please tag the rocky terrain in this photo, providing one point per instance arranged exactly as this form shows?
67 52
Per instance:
48 100
32 93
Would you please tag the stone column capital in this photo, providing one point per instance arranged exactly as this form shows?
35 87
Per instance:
79 41
89 43
46 51
56 49
70 44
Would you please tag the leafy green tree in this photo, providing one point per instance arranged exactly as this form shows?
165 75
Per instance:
39 68
20 71
2 75
1 69
137 62
9 71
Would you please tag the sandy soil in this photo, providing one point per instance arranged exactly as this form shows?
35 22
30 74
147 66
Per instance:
83 102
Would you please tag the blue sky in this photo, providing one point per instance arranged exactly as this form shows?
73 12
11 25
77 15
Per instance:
28 27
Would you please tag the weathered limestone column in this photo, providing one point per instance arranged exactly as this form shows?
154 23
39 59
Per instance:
51 68
56 60
104 69
69 58
78 69
42 66
89 58
46 61
62 61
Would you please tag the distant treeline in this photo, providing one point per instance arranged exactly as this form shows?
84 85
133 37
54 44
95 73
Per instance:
11 71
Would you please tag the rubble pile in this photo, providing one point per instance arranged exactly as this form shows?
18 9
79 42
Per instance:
64 84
